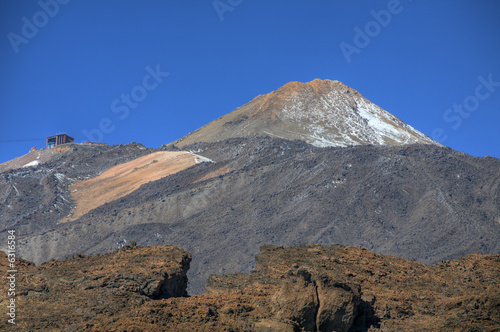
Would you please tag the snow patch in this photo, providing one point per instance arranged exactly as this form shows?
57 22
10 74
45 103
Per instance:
194 152
121 243
60 177
200 159
13 186
32 163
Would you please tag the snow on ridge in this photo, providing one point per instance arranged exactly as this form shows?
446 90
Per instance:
336 119
376 121
397 129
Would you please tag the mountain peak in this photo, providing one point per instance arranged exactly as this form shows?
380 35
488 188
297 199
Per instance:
320 112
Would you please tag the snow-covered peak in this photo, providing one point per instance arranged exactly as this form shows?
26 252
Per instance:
321 112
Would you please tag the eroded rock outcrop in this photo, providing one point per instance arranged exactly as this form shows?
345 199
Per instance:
72 294
304 288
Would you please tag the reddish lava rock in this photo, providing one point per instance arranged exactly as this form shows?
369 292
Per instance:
305 288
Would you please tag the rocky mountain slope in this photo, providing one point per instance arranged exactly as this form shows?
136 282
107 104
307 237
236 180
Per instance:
321 112
123 179
422 202
37 196
306 288
34 158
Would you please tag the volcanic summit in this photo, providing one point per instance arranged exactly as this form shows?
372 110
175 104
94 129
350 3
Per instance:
322 113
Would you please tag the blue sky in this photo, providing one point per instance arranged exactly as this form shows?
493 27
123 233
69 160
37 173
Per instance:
153 71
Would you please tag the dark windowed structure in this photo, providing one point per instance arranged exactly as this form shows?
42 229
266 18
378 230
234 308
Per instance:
55 140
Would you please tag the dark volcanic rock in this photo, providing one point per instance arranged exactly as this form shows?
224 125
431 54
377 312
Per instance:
36 198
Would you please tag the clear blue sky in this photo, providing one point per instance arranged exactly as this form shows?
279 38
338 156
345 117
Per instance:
68 66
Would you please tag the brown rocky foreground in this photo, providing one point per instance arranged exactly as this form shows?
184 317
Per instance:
306 288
